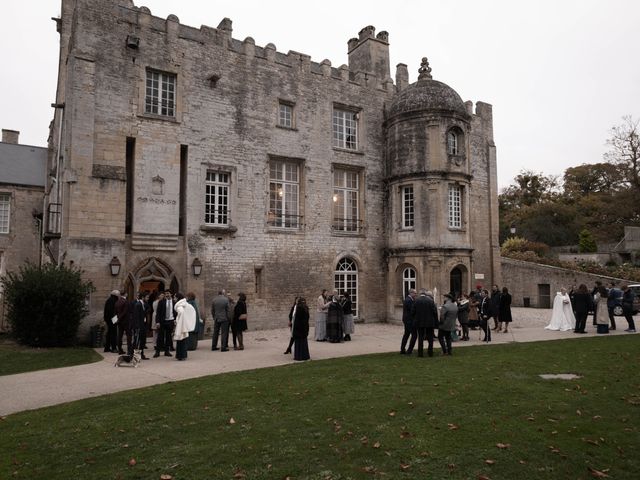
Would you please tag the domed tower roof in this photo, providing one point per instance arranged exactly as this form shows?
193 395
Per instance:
427 94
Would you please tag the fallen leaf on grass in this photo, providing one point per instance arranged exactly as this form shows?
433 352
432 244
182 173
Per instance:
232 421
369 469
376 445
166 476
503 445
451 466
488 461
578 412
597 473
452 426
392 413
364 440
132 462
483 477
592 442
404 467
405 434
522 462
596 417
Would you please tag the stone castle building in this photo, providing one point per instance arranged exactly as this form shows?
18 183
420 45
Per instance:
187 159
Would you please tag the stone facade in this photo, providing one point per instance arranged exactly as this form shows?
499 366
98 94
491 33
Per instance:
303 162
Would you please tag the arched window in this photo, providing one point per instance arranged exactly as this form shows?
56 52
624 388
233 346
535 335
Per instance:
345 278
408 281
452 143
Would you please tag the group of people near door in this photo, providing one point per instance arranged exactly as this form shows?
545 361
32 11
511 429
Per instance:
172 318
571 309
421 318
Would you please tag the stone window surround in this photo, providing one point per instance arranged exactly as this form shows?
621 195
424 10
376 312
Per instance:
461 207
165 68
279 121
409 281
299 228
5 209
360 220
357 114
232 196
405 212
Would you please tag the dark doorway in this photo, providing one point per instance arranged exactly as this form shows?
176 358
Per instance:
544 295
455 281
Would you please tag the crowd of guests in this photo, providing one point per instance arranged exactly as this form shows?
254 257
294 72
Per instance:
472 311
571 309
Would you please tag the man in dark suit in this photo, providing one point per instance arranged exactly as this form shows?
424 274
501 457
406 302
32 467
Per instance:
165 318
425 319
139 325
407 320
495 307
485 311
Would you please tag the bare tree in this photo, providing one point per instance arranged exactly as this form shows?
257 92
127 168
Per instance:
625 150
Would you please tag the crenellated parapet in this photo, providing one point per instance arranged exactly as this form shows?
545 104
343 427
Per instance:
368 64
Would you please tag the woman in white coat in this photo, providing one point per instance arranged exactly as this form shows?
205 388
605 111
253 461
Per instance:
185 323
562 317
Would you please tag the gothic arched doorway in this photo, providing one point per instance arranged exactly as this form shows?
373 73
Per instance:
457 283
149 275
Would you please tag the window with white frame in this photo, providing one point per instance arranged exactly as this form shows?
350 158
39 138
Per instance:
216 198
407 206
284 194
408 281
455 206
285 115
5 211
160 98
346 193
345 129
345 278
452 143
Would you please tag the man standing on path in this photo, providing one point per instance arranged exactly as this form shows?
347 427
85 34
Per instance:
495 306
484 312
165 318
124 327
614 298
221 314
407 321
425 318
628 298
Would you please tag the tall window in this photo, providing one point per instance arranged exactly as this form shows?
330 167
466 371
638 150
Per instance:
5 205
216 199
345 129
408 281
452 143
407 207
455 206
346 190
285 115
345 278
160 97
284 188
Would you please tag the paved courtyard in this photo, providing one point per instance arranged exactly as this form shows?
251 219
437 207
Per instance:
26 391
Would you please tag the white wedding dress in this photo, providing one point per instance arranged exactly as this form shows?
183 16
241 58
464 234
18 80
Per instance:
562 317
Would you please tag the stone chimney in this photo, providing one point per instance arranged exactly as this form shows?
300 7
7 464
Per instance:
369 53
10 136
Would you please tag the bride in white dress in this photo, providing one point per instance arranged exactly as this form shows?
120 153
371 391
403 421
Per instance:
562 317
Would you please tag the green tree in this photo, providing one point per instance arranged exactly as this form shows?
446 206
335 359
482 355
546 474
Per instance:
46 304
586 243
588 179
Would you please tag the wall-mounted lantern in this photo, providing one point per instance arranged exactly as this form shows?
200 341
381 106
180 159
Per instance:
196 266
115 265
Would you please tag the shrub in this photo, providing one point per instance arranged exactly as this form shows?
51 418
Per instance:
519 244
46 304
586 243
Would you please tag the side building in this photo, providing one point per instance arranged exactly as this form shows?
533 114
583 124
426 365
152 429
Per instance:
186 159
22 181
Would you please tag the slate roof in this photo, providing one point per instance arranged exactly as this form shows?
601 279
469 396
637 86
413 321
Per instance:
22 165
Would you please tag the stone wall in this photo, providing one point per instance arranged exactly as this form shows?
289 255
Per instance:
523 280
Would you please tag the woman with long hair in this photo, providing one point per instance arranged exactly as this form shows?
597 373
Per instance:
239 323
300 331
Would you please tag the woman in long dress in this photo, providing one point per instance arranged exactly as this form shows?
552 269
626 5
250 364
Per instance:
300 331
505 310
321 317
562 317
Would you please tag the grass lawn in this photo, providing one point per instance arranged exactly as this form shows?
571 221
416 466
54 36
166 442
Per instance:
482 413
16 358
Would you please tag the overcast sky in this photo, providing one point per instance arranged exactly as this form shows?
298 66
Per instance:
559 73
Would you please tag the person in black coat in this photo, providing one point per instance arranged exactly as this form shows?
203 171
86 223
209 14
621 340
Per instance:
138 317
300 331
628 298
484 312
425 318
165 318
504 312
495 306
407 321
111 340
582 304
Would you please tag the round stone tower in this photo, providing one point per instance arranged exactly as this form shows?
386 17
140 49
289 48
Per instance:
427 130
